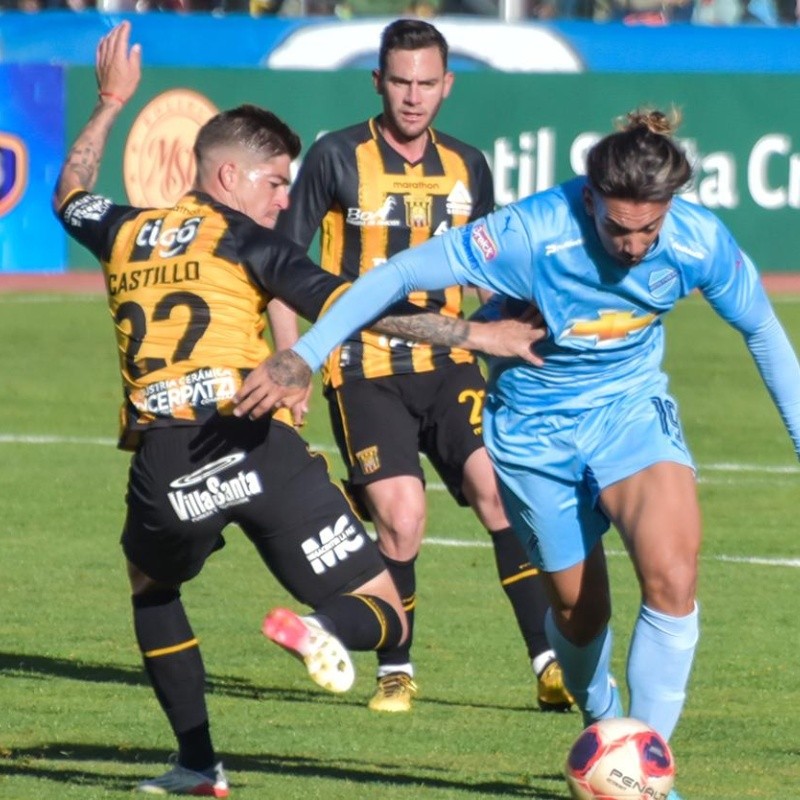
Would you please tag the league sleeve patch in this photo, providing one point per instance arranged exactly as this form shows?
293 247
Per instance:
484 242
88 207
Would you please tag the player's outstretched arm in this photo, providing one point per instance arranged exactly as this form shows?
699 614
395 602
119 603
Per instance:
118 70
279 381
506 338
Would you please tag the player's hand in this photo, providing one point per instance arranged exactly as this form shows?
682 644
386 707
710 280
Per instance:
282 381
118 67
511 338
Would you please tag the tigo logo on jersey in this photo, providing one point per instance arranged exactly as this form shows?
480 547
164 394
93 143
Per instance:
172 241
212 493
13 171
484 242
334 544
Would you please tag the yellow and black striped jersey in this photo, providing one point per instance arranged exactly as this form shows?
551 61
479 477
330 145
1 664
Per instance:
369 203
187 288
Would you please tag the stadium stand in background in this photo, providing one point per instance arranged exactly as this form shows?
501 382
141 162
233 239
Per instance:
632 12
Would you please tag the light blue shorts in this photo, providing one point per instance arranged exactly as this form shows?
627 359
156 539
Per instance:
551 467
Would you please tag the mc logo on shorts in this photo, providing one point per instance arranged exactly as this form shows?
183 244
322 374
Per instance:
333 545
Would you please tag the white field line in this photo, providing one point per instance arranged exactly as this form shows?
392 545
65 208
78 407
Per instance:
723 467
767 562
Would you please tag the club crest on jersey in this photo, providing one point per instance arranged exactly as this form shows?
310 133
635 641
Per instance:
13 171
418 211
661 282
483 241
369 460
609 326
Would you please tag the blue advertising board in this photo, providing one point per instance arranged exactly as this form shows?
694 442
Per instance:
319 43
32 121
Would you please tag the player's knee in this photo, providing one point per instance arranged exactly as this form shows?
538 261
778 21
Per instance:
671 587
400 532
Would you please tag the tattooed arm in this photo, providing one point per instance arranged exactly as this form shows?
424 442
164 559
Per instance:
506 338
283 378
118 70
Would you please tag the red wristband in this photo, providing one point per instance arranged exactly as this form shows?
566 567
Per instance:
112 96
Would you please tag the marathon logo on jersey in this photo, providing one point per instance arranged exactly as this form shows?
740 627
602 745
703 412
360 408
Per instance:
368 458
459 201
203 388
165 242
202 493
661 282
378 218
333 544
13 171
89 208
483 241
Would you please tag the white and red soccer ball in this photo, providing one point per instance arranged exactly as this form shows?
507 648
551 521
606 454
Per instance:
620 759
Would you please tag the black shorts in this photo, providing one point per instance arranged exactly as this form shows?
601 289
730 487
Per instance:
382 424
187 483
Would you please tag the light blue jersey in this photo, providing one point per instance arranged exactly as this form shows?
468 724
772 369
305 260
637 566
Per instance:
602 358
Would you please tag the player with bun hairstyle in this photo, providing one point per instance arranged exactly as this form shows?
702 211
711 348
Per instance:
592 437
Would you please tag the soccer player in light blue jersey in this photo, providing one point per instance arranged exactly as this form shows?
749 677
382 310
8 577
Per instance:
592 437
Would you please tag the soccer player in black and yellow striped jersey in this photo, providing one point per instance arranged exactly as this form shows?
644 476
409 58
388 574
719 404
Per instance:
374 189
187 289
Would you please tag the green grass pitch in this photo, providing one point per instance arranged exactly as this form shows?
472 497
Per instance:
79 721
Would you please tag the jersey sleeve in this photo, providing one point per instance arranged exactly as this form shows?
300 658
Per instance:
493 253
484 194
311 196
282 269
734 289
93 220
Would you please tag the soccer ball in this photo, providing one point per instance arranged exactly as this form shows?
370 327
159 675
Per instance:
620 759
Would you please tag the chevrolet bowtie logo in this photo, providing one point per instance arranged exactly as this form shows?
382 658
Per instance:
610 325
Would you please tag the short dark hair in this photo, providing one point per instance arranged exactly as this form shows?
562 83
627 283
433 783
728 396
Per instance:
250 127
410 34
640 162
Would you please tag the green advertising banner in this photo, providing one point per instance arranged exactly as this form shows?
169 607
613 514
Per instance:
742 131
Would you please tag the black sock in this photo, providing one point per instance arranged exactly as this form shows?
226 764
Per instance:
524 588
173 663
361 621
404 577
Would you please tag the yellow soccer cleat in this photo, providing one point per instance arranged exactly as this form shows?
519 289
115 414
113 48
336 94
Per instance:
394 693
550 690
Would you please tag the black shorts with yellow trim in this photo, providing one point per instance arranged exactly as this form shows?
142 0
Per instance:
187 483
381 425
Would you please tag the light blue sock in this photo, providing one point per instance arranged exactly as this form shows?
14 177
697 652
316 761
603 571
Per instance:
586 672
659 662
